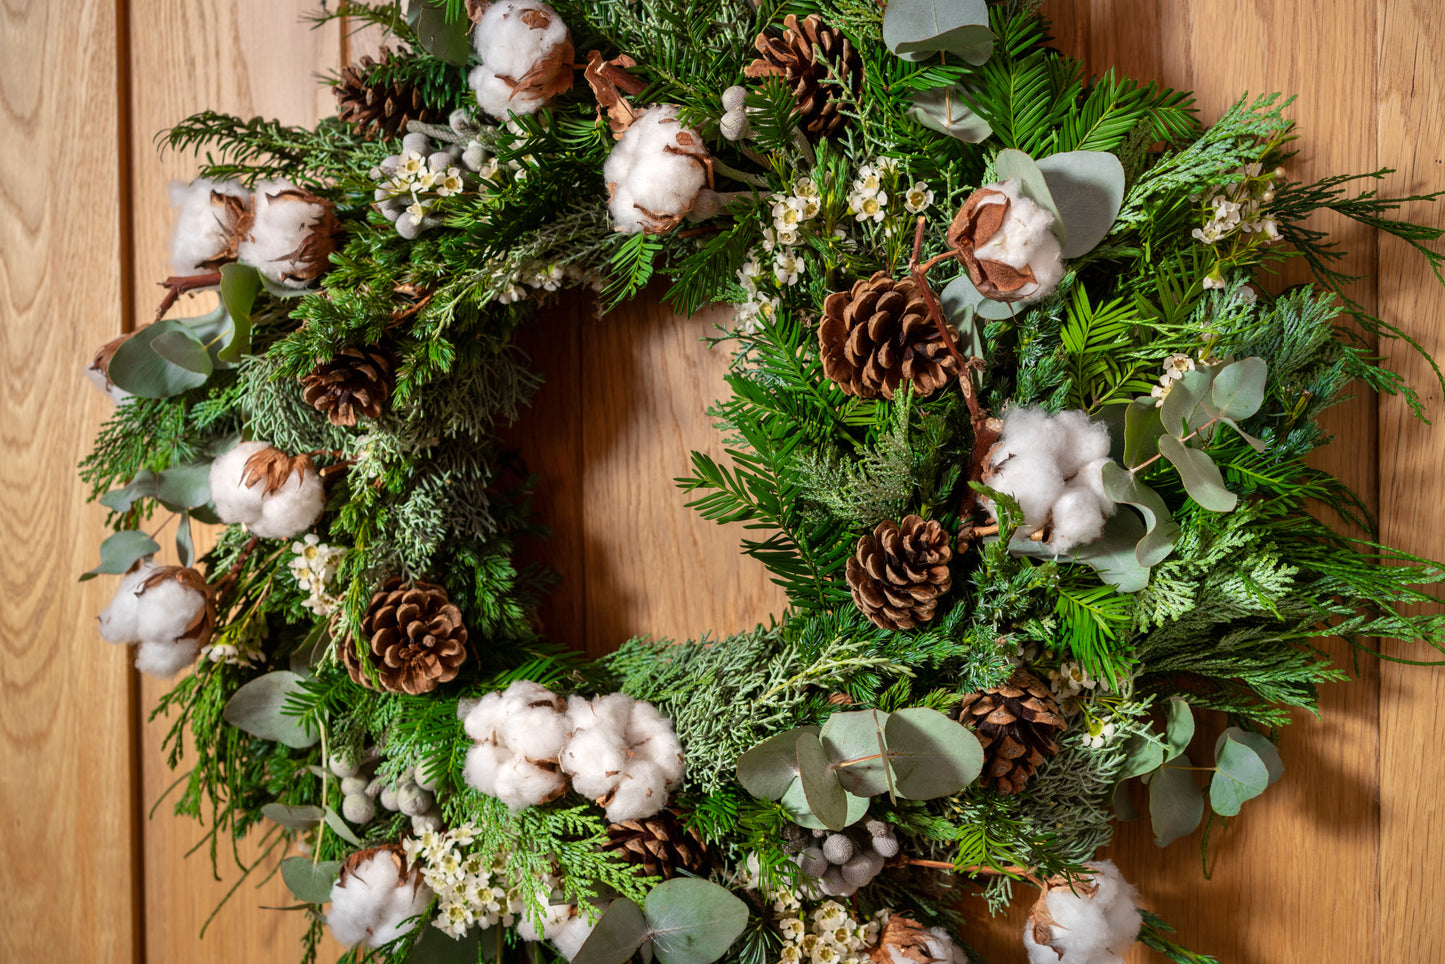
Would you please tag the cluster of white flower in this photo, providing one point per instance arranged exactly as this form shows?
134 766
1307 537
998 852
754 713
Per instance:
1071 679
376 899
544 276
619 751
163 612
470 891
1239 209
1099 731
1176 366
1052 465
1091 920
413 183
868 200
313 566
235 650
828 935
276 495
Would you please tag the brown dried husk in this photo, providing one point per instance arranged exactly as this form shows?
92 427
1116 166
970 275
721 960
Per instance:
321 240
1041 923
976 222
905 937
103 355
899 572
551 74
274 467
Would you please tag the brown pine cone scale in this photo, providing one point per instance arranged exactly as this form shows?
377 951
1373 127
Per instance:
900 571
661 845
356 383
415 640
820 67
375 109
878 335
1016 722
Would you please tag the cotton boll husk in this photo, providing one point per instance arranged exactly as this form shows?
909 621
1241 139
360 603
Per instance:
1077 520
1080 441
496 97
522 783
279 229
510 45
293 508
199 235
1025 240
1095 929
371 906
1034 481
234 500
118 620
164 658
102 381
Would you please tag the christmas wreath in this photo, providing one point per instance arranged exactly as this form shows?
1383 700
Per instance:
1009 422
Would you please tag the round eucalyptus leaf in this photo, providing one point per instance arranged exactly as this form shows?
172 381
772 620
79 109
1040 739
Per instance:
182 347
142 486
1112 555
920 29
1262 746
293 818
1201 477
856 736
137 368
310 883
946 110
1142 428
439 35
1160 531
960 296
334 821
797 806
1178 727
1175 804
1239 387
932 755
768 769
825 795
1141 755
1178 411
1239 775
1124 809
1088 190
619 933
120 551
1032 185
184 486
257 708
693 921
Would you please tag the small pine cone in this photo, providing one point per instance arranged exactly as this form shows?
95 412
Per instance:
660 844
878 334
1016 722
818 64
900 571
416 636
376 109
354 383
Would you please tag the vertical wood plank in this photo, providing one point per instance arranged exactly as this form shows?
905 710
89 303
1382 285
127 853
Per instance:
1412 125
67 777
257 58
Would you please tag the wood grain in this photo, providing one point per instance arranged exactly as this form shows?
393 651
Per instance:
68 831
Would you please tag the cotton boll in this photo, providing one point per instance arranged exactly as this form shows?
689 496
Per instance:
1026 430
375 901
942 949
293 233
526 57
1076 520
234 500
522 783
594 760
569 938
1080 440
1026 240
293 508
164 658
210 216
1034 481
484 761
641 791
166 610
655 172
1094 920
118 620
553 919
1091 479
484 719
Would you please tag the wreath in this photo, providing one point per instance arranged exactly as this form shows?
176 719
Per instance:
1009 423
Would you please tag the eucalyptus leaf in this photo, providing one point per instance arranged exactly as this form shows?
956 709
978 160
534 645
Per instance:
796 804
334 821
181 347
142 486
1032 185
436 947
825 795
1255 443
137 368
257 708
184 486
1088 190
215 331
293 818
1183 400
946 110
960 296
620 931
440 36
1142 428
310 883
1112 555
853 736
1239 775
919 29
1124 809
932 756
120 551
240 284
1262 746
1142 754
1239 387
1160 531
185 543
768 769
1178 727
1175 804
1201 477
693 921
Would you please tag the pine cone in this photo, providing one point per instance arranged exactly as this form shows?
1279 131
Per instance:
899 572
660 845
417 639
377 109
878 334
1016 723
819 64
354 383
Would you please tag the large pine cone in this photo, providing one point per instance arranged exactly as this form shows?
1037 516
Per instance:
878 334
818 64
354 383
660 845
416 639
376 108
1016 722
900 571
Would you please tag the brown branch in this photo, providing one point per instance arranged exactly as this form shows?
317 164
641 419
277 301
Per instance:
177 285
229 579
979 870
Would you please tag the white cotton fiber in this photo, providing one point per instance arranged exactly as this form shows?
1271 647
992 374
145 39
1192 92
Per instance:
1094 922
519 734
282 223
624 754
166 610
233 499
203 230
594 759
555 917
515 41
373 905
164 658
1053 466
655 172
291 509
118 620
1025 239
484 761
484 717
569 938
522 783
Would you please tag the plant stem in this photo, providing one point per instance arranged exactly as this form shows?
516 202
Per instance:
177 285
1158 455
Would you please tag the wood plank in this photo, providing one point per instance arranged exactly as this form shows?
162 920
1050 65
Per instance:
1412 124
67 781
251 59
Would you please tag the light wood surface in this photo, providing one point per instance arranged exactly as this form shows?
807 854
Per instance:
1336 863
